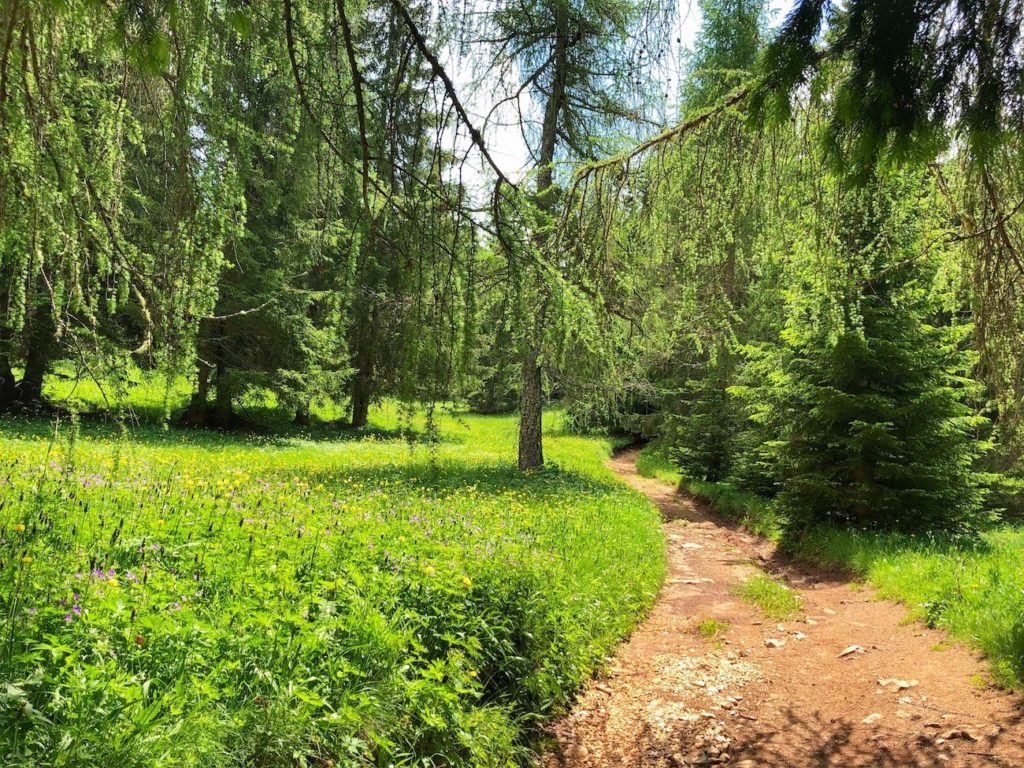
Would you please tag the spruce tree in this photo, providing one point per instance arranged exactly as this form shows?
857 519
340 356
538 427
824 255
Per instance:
868 393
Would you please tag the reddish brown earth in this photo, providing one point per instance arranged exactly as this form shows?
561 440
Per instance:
674 698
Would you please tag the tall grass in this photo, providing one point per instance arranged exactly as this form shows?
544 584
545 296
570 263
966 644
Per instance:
976 592
189 599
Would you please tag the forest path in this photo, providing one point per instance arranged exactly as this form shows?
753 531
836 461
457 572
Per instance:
780 694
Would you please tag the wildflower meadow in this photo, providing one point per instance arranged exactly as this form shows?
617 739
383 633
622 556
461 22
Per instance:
193 599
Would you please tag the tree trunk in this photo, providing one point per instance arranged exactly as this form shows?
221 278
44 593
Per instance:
8 386
360 400
531 396
198 412
30 390
531 446
362 380
223 414
40 349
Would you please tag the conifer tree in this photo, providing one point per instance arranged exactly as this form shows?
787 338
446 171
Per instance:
708 224
866 393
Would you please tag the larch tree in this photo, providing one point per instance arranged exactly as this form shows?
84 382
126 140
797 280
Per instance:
584 67
82 274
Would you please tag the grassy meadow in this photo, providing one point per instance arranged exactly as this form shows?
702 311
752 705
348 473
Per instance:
975 592
322 598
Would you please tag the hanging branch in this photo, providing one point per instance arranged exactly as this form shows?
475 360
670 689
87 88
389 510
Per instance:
357 87
366 177
12 17
669 134
449 88
94 200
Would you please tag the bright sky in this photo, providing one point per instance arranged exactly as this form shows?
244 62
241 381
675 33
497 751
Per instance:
502 133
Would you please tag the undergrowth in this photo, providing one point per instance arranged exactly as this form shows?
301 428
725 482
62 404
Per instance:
775 599
755 513
710 629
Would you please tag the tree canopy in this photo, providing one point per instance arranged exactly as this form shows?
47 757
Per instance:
301 200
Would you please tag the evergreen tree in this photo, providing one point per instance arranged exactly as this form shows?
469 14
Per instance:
703 227
263 335
902 72
725 51
582 63
867 395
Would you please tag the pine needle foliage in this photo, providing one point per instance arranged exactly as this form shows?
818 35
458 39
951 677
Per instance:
865 391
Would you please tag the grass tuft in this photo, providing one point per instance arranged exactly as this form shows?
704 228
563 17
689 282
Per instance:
974 591
710 629
774 598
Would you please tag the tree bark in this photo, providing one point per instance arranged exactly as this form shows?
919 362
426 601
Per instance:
360 403
362 380
223 413
531 396
200 412
30 390
531 445
197 414
8 386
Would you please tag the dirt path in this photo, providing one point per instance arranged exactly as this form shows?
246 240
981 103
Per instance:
768 694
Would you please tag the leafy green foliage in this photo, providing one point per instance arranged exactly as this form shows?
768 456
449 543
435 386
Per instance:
754 512
900 74
227 601
725 51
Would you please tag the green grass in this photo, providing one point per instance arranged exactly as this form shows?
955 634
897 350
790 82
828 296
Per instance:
150 397
179 598
775 599
653 463
975 592
710 629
